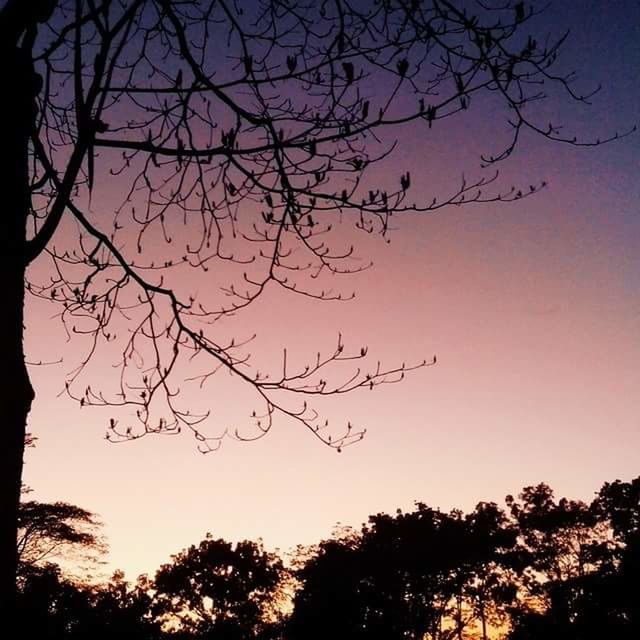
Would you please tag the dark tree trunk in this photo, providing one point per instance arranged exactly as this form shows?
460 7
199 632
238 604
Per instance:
459 616
17 114
483 618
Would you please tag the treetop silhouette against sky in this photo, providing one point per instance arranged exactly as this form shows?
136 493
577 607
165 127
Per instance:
532 566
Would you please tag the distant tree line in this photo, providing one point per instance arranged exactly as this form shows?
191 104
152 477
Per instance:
536 568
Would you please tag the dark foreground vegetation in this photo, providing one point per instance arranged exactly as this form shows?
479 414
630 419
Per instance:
537 568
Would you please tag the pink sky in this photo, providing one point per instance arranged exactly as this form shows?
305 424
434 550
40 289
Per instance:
532 308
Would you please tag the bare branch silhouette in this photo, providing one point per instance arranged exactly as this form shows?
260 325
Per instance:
239 139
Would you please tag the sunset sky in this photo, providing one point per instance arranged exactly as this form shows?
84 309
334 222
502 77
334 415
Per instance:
532 308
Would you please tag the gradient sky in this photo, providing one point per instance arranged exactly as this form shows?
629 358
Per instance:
532 308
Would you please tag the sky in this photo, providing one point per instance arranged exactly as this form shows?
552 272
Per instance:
533 311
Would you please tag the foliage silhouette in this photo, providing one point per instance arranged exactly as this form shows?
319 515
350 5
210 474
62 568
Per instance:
405 576
541 568
50 531
592 591
219 590
52 607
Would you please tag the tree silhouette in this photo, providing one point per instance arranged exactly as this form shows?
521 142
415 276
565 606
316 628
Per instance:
122 610
332 598
544 568
48 606
422 574
233 134
599 597
615 600
488 569
54 531
218 589
574 584
54 607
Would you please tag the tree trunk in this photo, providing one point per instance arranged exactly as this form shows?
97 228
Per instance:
459 615
17 114
483 618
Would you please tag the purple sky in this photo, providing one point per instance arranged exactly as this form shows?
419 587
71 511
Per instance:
532 308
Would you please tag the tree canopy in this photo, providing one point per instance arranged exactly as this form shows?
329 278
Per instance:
50 531
536 568
218 589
